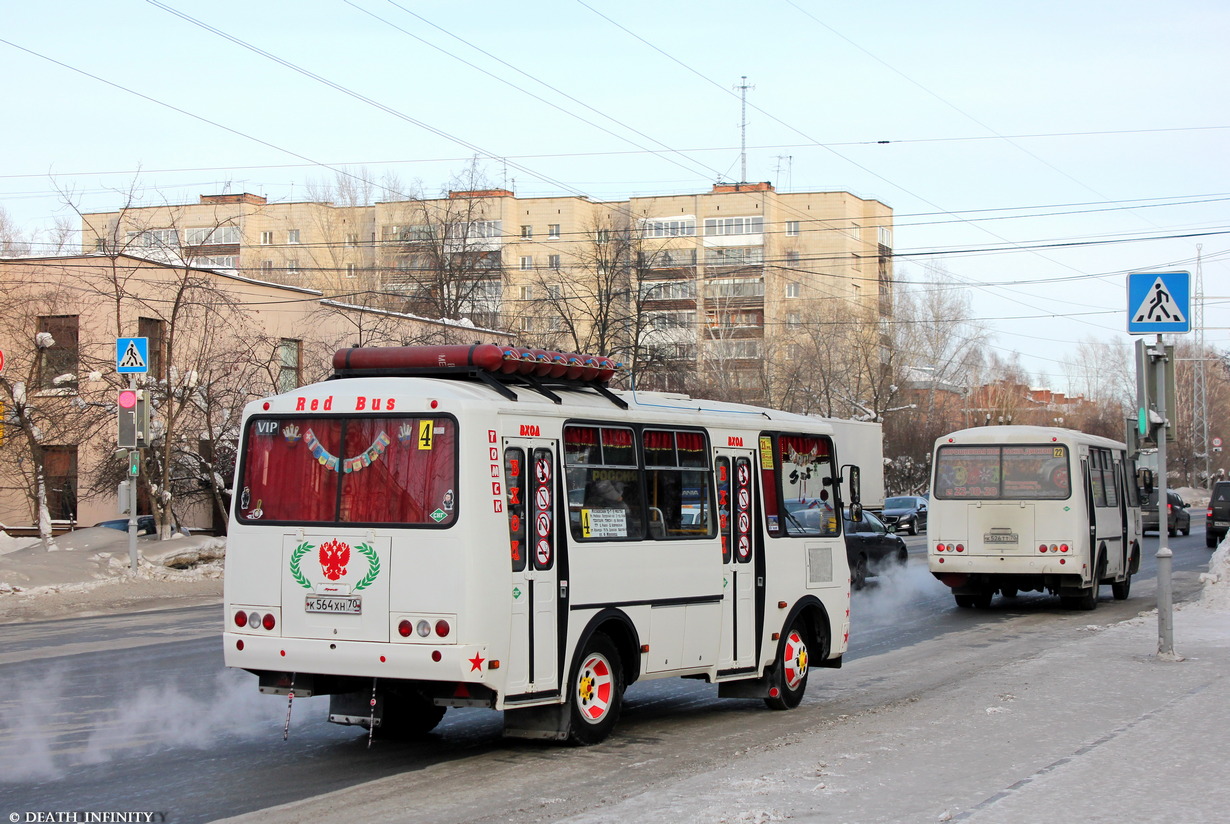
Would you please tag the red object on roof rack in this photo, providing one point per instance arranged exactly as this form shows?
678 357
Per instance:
488 357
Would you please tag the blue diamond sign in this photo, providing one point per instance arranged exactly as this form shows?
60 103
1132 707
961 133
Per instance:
1159 302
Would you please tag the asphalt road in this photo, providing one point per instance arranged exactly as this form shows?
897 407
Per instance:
135 712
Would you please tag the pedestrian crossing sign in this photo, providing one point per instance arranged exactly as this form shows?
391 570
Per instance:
1159 302
131 355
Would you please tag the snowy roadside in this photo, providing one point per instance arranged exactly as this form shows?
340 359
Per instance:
89 573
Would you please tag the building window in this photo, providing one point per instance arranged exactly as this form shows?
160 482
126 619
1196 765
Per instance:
753 225
352 240
792 257
292 235
165 239
213 236
555 291
603 236
57 343
352 270
266 238
553 261
669 227
734 256
792 228
792 319
266 267
290 364
735 288
527 232
292 267
154 331
793 290
668 290
527 262
553 231
527 292
60 474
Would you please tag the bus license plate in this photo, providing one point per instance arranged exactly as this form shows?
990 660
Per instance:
335 604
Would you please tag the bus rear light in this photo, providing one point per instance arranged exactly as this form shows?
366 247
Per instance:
269 622
239 645
254 619
1063 547
436 655
960 547
405 628
422 628
442 628
1042 548
241 618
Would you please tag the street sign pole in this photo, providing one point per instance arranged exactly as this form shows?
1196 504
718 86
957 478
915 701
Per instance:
1159 303
132 497
1165 558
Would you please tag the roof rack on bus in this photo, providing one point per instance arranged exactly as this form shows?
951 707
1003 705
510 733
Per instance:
500 367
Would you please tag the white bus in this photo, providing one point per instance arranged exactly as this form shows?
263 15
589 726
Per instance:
1019 508
469 526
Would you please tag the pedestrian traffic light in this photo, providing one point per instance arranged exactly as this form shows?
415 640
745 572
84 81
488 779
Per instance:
133 422
127 434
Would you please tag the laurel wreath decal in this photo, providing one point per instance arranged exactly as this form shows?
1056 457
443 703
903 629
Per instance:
373 564
366 550
295 557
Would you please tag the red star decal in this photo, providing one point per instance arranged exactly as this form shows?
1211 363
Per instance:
476 663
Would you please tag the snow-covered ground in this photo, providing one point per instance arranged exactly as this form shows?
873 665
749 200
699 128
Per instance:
89 571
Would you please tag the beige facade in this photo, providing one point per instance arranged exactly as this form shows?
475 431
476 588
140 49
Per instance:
728 280
216 341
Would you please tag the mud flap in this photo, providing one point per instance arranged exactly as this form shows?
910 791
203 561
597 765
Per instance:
548 723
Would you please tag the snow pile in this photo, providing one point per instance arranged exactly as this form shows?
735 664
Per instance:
1216 593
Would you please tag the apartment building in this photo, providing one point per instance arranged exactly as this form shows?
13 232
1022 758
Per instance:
734 280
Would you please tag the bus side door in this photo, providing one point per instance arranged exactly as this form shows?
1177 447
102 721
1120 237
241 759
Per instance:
534 539
735 488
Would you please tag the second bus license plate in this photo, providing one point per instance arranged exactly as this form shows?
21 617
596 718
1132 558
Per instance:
335 604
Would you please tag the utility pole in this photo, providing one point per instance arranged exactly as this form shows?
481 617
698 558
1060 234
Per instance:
1200 403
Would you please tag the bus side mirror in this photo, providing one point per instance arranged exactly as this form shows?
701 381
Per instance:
1144 479
854 484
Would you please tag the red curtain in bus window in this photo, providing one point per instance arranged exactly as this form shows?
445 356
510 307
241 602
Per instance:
398 471
808 449
287 474
691 448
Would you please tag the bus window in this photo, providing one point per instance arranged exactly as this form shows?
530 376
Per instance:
514 483
803 471
1031 472
399 471
679 498
600 462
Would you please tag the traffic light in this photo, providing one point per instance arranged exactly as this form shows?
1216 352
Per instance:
133 429
127 435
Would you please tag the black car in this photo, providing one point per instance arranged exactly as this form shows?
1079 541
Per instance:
906 512
1178 518
871 547
1219 514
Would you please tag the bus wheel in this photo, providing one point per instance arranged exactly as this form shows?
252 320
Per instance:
408 716
964 601
982 599
1008 592
789 679
596 691
1120 589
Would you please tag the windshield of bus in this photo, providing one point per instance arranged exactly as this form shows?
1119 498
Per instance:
378 470
1009 472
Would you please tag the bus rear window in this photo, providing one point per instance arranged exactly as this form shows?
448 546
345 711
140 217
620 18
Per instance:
349 470
1025 472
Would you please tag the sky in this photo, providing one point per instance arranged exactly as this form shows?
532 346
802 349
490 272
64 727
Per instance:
1035 153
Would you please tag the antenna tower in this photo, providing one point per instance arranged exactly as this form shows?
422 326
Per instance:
743 87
